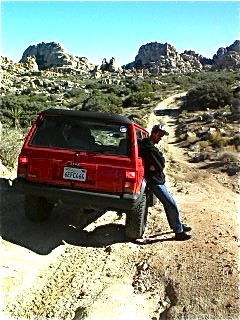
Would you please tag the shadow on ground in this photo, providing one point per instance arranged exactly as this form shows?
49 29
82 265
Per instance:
167 112
66 224
43 237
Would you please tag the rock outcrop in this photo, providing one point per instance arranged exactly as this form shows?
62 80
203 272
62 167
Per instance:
110 66
227 58
10 71
53 55
153 59
163 58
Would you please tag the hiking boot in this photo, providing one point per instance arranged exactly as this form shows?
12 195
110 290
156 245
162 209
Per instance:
182 236
186 228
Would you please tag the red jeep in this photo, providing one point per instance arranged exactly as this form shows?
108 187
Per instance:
86 158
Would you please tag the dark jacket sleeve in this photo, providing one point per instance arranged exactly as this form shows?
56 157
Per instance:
154 163
158 160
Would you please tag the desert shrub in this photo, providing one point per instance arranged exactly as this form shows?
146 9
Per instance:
74 92
203 144
93 84
191 138
11 143
141 86
235 140
118 90
137 99
76 100
230 162
217 140
20 111
212 95
228 157
102 102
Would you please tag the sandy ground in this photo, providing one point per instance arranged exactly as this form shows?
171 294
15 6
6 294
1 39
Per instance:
70 268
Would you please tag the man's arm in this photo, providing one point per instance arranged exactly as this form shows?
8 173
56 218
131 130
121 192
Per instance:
158 161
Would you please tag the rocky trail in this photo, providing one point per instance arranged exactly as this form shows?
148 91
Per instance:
71 268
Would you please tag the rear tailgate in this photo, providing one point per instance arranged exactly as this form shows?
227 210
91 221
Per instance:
91 171
104 173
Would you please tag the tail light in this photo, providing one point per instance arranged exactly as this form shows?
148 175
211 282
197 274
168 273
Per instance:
130 181
22 166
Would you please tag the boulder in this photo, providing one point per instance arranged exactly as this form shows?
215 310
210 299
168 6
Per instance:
30 63
111 66
227 58
53 55
163 58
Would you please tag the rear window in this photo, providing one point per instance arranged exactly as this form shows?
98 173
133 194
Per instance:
82 135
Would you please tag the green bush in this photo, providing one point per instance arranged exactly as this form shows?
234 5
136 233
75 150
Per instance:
118 90
141 86
209 95
217 140
75 92
11 143
137 99
228 157
103 103
19 111
93 84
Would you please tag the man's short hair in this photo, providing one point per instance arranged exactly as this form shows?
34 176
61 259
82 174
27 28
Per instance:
159 127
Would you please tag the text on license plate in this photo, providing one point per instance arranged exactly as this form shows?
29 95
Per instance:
74 174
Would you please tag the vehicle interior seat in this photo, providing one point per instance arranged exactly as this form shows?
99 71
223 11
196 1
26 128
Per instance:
124 147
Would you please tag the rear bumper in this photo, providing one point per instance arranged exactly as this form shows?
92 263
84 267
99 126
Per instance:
83 198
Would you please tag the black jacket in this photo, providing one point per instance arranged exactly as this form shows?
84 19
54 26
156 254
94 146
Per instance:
154 162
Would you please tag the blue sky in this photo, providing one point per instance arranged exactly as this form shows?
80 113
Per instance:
99 29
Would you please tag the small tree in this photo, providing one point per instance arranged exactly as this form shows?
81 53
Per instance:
210 95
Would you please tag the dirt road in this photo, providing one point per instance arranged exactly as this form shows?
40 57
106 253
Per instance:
70 268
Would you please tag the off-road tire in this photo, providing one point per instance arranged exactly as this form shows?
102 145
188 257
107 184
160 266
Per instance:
151 199
37 208
136 219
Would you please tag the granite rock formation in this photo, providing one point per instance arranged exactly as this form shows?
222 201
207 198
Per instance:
227 58
53 55
153 59
163 58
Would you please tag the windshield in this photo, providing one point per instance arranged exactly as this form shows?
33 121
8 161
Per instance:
82 135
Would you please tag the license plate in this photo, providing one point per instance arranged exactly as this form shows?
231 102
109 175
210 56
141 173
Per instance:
74 174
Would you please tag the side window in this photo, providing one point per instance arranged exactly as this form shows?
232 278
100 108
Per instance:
140 135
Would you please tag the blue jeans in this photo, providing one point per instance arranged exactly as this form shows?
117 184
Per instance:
170 206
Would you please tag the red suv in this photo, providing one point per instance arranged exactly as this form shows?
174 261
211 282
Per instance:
86 158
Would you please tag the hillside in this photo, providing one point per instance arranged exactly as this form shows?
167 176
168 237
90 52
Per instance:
61 270
48 76
70 268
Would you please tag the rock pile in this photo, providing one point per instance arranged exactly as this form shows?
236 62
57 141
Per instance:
161 58
156 57
110 66
164 58
10 70
153 59
53 55
228 57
